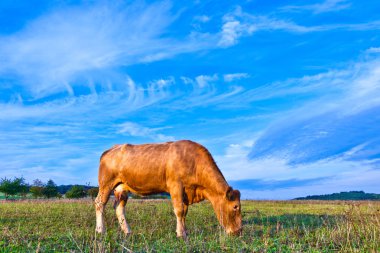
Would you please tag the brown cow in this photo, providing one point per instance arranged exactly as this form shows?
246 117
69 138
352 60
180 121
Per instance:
184 169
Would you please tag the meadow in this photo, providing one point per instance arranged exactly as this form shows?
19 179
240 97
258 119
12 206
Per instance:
269 226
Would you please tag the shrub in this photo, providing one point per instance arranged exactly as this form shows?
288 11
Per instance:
37 188
17 186
76 192
93 192
50 190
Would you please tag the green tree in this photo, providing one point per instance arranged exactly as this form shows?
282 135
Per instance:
6 187
76 192
37 188
17 186
93 192
50 190
21 186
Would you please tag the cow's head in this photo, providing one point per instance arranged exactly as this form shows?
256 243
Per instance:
230 212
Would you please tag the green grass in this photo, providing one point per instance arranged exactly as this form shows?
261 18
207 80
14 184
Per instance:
269 226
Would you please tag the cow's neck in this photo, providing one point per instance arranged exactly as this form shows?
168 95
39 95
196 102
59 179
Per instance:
217 195
216 189
214 183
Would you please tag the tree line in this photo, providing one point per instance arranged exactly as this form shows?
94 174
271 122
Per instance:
351 195
18 188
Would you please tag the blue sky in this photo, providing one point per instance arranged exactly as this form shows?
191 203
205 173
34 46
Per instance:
284 94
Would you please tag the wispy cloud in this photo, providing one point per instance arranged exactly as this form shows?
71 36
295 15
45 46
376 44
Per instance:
272 177
204 80
208 90
239 24
134 129
202 18
127 94
231 31
322 7
81 45
63 152
373 50
351 103
234 76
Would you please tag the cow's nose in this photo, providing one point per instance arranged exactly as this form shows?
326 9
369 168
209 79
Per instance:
238 232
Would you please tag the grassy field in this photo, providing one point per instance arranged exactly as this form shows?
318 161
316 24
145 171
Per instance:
269 226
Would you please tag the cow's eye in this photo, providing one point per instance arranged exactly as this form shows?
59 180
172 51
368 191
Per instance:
236 207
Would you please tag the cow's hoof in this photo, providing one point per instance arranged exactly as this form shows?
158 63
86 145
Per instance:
127 233
100 230
182 236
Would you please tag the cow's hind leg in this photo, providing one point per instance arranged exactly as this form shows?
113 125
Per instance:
180 210
121 198
100 202
185 208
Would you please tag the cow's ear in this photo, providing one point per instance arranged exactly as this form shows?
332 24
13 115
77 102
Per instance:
230 193
236 194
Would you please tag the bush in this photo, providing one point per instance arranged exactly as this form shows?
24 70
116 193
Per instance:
93 192
17 186
50 190
76 192
37 188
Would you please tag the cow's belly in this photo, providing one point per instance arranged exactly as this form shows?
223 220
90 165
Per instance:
144 180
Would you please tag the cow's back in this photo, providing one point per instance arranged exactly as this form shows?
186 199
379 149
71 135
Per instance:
148 168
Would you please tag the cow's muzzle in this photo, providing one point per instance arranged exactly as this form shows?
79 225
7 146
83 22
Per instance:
237 232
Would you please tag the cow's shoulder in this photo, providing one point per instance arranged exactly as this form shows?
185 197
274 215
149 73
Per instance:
188 143
194 148
116 146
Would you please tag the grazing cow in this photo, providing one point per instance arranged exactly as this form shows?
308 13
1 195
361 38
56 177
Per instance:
184 169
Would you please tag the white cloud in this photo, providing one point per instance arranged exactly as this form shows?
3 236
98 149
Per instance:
234 76
323 7
204 80
162 83
125 94
49 152
373 50
236 165
337 127
339 174
352 89
84 45
238 24
207 90
231 31
187 80
134 129
202 18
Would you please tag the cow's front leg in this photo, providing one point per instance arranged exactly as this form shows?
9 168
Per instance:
179 210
